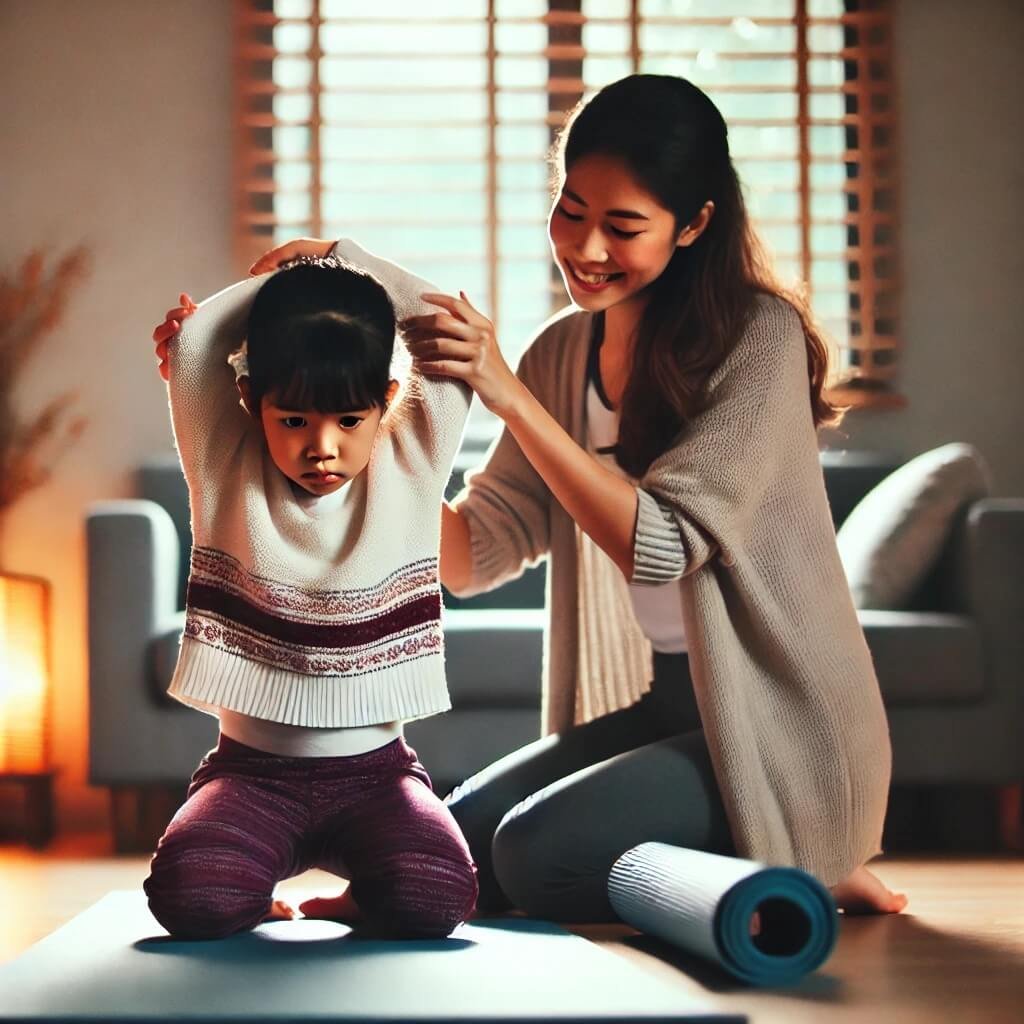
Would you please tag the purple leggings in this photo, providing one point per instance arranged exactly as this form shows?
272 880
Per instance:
252 819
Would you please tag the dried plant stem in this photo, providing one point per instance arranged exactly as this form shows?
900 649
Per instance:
32 304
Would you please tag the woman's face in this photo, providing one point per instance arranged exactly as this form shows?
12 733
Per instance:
610 237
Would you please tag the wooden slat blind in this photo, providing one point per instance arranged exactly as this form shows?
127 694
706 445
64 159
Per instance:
421 130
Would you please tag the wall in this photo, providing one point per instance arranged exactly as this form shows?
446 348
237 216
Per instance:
963 262
115 132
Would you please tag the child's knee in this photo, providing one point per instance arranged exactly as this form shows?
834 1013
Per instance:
205 913
422 897
202 898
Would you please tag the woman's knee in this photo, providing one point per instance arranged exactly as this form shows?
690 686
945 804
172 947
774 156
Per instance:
520 861
542 870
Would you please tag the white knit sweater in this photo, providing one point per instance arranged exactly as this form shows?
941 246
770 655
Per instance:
326 620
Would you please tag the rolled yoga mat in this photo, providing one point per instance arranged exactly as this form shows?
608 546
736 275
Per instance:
704 903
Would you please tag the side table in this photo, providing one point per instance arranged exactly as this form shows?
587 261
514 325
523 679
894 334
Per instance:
37 817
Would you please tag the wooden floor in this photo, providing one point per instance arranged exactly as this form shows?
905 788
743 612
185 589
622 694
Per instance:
956 955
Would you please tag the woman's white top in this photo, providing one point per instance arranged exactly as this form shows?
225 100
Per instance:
658 609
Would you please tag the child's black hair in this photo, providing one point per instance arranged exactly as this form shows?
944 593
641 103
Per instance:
320 337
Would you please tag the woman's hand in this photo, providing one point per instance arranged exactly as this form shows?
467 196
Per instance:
460 343
163 333
273 258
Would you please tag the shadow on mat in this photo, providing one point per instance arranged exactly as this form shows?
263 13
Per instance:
282 940
316 937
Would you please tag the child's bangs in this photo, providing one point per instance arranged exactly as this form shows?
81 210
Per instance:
338 384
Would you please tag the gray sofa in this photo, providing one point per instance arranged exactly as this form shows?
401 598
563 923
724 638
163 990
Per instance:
950 668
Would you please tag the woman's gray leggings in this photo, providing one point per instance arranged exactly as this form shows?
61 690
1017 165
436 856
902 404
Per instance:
546 823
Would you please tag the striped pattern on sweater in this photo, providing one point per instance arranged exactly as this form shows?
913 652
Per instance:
337 633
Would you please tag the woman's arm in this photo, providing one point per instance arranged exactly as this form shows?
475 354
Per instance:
456 553
698 494
461 343
603 504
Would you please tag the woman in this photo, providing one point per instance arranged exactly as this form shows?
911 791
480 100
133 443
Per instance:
659 447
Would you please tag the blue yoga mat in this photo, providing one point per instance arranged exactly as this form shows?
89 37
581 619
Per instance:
703 903
113 964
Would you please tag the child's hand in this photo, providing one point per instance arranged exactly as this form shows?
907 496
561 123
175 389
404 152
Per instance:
163 333
461 343
272 259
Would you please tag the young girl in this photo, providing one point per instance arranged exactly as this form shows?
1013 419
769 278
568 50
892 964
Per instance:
707 684
313 612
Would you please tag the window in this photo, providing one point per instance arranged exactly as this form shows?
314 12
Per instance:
421 130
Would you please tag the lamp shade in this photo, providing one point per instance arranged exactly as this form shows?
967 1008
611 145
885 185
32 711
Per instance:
24 675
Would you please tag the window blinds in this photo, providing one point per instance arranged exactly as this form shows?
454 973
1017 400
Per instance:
422 130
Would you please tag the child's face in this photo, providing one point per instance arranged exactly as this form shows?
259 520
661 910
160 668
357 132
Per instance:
321 452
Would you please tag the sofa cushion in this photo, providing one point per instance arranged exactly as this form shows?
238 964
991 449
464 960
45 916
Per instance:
849 475
493 658
162 656
896 532
461 742
925 657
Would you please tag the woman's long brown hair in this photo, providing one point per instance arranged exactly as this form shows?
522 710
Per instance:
675 142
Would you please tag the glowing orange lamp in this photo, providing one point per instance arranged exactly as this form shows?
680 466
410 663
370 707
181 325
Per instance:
25 697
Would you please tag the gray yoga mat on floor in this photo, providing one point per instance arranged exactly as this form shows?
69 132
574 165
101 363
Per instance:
703 903
114 964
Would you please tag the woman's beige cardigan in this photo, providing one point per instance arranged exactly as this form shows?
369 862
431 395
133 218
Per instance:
736 511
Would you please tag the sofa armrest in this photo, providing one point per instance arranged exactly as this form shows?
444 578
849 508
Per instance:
132 552
989 559
925 658
977 742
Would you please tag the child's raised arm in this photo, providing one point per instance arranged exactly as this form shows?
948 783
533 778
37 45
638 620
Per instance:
209 424
403 286
432 414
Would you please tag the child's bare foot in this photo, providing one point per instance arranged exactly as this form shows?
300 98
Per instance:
280 911
861 892
332 908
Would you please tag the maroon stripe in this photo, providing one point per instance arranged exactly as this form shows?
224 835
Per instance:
203 597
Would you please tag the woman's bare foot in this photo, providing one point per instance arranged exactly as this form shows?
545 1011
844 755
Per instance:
332 908
861 892
280 911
